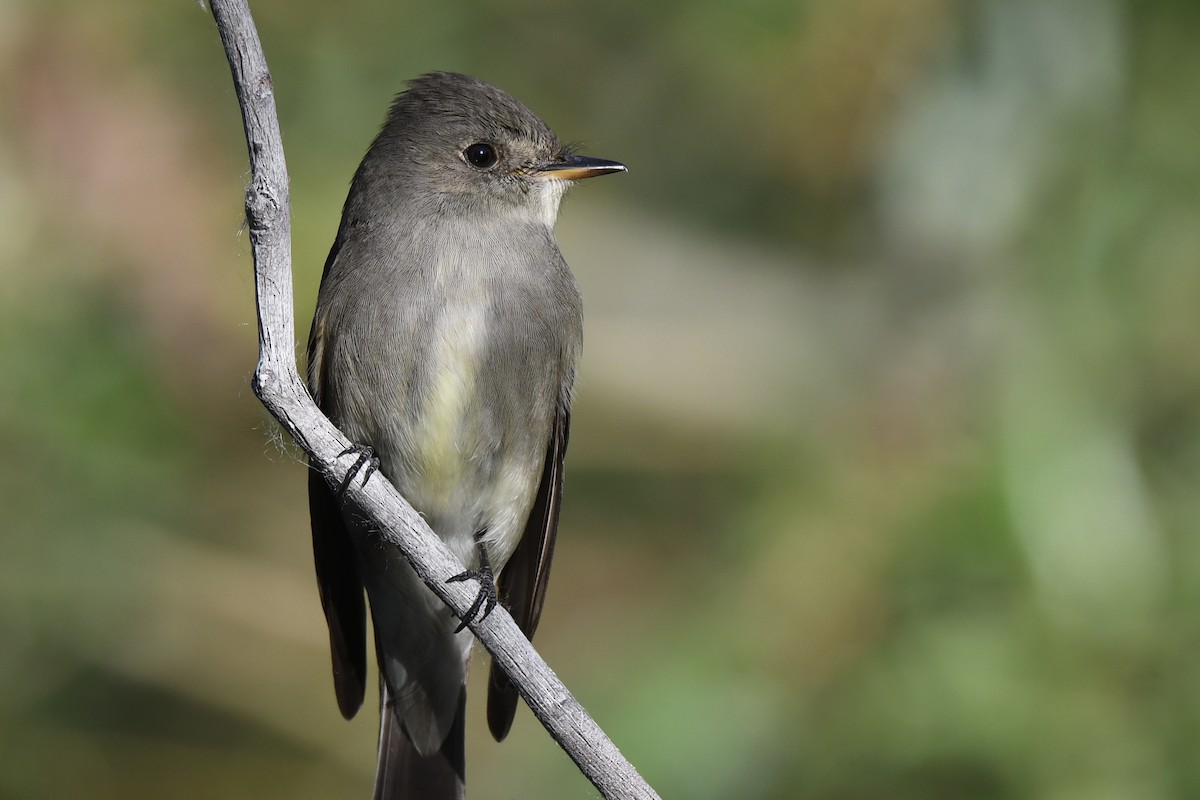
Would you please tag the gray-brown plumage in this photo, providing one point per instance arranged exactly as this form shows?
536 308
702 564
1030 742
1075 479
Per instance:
445 338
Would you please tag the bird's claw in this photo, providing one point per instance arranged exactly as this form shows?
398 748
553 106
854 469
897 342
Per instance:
367 462
486 599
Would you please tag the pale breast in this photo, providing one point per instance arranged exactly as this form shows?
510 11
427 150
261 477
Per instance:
454 376
477 434
450 442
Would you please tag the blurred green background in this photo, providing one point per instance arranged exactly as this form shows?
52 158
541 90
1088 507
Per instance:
884 475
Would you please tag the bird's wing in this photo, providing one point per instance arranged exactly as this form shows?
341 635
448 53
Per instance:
338 578
523 581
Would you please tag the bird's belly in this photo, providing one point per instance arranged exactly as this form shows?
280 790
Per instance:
464 472
448 437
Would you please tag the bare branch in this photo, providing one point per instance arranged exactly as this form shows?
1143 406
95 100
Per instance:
279 386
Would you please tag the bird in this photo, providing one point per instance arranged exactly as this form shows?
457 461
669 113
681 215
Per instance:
445 345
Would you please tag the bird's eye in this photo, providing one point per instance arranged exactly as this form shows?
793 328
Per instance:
480 155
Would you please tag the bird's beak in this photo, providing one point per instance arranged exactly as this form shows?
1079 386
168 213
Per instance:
576 168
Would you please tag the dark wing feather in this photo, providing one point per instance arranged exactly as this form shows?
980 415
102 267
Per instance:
341 591
338 579
523 581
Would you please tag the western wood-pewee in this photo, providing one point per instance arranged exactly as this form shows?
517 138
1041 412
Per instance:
445 339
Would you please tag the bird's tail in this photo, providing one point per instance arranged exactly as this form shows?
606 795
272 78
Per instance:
402 773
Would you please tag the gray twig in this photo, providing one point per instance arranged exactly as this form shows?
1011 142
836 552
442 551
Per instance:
278 385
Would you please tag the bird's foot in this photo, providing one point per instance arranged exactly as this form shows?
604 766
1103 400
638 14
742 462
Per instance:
486 599
367 462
